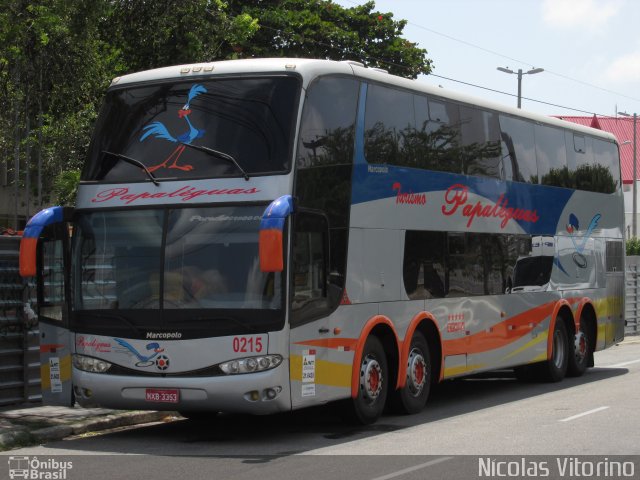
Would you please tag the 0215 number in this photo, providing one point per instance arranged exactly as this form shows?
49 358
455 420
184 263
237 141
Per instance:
247 344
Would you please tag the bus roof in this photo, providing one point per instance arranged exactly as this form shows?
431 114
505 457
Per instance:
311 68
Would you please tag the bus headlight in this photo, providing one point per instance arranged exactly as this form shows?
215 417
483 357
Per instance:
90 364
251 364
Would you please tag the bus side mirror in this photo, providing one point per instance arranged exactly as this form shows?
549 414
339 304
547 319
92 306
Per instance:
271 238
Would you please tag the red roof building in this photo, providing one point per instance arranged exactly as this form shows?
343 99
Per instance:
622 128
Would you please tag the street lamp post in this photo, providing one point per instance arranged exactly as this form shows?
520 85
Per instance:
520 73
635 178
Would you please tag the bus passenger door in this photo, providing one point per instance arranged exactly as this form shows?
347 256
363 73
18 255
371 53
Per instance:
310 328
44 252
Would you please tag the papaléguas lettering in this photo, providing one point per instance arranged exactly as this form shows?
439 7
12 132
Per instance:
456 199
184 194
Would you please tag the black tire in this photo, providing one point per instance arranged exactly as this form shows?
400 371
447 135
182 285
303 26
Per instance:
373 384
525 373
554 369
579 353
413 396
199 416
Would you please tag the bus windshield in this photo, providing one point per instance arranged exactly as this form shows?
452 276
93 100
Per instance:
187 262
173 128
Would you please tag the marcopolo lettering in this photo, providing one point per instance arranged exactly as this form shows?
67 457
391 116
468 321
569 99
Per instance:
164 335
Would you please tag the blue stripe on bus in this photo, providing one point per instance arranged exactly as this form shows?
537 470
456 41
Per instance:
359 145
376 182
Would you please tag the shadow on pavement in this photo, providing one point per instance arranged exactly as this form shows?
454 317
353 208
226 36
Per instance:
270 437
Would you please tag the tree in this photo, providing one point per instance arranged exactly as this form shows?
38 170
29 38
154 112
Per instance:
152 34
65 187
51 67
172 32
324 29
57 58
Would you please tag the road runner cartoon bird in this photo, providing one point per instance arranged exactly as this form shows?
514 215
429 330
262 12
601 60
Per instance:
144 360
159 130
573 224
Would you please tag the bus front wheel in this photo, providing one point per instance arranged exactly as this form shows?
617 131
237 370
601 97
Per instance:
413 396
373 383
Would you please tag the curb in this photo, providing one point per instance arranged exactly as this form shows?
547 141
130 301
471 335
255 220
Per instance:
630 338
22 437
18 437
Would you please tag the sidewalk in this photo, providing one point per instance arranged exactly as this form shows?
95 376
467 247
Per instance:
24 425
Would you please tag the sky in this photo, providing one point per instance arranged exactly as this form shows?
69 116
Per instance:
589 50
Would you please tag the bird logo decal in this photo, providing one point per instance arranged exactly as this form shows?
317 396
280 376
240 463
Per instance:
579 241
144 360
574 226
159 130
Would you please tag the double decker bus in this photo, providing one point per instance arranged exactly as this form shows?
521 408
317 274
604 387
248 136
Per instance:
265 235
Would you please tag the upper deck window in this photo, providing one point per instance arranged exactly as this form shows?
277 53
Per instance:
161 125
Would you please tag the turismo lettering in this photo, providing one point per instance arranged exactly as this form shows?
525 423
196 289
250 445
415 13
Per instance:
409 198
456 199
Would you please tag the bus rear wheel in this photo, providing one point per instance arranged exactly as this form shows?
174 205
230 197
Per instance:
413 396
579 353
373 383
555 369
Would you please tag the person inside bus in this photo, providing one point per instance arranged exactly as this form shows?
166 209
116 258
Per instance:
432 281
203 284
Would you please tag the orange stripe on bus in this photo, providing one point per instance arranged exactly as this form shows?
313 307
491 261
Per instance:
502 334
51 347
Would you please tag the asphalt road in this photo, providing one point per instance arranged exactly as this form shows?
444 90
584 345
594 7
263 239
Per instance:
466 422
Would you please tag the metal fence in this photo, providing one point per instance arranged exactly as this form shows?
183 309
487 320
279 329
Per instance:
632 301
19 347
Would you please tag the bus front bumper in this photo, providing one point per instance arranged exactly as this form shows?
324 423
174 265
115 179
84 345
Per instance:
256 393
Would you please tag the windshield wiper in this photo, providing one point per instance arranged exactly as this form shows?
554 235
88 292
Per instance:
218 154
137 163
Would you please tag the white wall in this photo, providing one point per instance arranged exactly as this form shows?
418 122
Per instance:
628 208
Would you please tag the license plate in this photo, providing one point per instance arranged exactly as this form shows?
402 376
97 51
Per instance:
162 395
